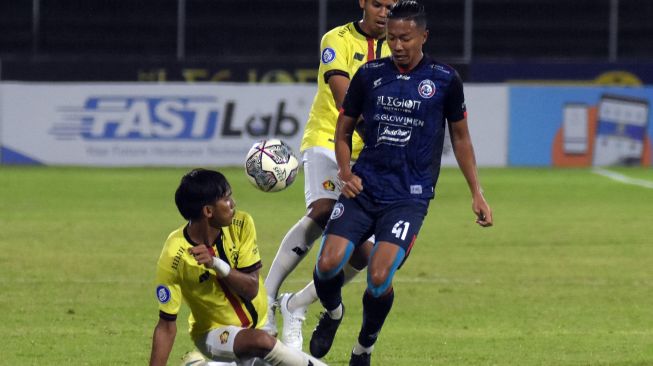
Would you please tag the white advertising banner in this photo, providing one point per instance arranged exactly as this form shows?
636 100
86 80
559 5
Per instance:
147 124
132 124
487 118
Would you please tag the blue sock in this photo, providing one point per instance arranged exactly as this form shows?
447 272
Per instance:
375 310
329 290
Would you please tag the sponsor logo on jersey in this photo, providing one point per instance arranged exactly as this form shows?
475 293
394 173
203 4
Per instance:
338 210
376 83
359 56
163 294
440 68
224 337
328 55
403 77
426 89
393 134
399 119
328 185
398 104
373 65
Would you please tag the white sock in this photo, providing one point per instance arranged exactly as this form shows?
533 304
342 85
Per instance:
282 355
294 246
335 313
359 350
303 298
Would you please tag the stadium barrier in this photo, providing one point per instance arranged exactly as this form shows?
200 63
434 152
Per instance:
180 124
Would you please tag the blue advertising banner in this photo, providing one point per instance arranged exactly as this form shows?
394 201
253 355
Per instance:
580 126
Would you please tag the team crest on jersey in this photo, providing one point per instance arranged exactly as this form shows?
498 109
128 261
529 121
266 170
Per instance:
224 337
328 185
426 88
338 210
328 55
163 294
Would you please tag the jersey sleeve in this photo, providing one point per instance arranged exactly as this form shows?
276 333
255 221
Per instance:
334 56
249 257
168 290
454 104
353 103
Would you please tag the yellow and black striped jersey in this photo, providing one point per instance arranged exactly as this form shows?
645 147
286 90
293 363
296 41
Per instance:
344 50
212 303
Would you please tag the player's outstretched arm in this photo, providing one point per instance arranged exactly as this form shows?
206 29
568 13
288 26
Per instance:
464 152
352 184
162 341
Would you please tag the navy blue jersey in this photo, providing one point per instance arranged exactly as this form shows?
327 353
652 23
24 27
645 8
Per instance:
404 125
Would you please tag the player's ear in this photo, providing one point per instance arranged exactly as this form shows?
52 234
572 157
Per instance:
361 3
426 36
207 211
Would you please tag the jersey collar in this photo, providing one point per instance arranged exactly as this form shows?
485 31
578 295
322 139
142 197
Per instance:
217 241
362 32
421 62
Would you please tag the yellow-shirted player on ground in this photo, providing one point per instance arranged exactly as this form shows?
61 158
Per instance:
213 264
343 50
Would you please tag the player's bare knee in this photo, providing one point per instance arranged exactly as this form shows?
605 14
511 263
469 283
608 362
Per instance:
377 277
320 211
378 282
266 343
253 343
326 265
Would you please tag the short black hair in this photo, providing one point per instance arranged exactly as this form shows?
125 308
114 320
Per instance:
409 10
198 188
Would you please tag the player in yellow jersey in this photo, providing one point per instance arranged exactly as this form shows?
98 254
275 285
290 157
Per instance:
343 50
213 264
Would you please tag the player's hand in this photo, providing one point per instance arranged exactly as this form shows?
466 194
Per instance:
352 184
482 211
202 254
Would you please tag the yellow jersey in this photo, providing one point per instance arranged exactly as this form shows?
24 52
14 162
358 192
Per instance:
344 50
212 303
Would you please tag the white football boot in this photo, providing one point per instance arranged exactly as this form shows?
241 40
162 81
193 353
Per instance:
291 335
270 326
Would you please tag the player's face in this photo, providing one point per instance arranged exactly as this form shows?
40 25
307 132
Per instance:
375 15
405 39
222 211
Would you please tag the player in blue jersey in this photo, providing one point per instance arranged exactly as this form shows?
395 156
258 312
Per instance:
405 101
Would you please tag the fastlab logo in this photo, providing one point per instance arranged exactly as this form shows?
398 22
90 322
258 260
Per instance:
162 118
140 118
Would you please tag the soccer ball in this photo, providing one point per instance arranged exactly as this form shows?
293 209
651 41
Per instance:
271 165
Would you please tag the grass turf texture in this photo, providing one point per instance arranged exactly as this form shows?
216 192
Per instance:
564 278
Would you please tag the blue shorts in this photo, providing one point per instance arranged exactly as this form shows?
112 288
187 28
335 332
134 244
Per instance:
396 222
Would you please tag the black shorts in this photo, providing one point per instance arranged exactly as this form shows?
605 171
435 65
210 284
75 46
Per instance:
396 222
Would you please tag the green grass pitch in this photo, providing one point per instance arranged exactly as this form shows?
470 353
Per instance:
565 277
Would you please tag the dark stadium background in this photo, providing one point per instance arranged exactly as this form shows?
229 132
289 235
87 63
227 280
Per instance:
277 40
